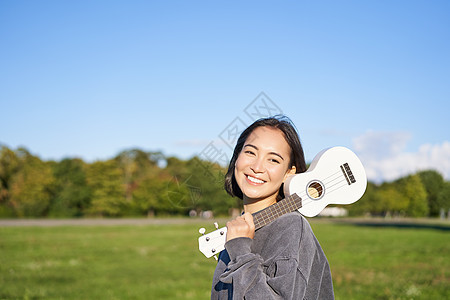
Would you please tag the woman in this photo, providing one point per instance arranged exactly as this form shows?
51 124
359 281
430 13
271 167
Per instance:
282 260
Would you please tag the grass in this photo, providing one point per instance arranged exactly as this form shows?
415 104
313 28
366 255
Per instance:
163 262
387 262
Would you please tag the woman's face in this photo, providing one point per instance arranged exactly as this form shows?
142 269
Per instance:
263 164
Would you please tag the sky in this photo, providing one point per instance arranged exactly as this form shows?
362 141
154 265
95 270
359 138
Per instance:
89 79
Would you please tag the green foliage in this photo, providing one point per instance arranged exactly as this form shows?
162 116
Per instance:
71 193
413 189
391 200
29 192
208 179
406 196
434 184
443 197
9 166
148 190
367 202
104 178
139 183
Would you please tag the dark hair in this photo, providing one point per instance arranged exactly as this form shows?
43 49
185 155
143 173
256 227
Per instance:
297 157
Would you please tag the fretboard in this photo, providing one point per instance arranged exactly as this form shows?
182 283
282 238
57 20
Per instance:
269 214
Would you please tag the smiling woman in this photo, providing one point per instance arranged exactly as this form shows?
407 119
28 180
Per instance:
282 260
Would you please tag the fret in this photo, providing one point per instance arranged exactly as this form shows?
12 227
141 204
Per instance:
278 211
287 208
256 222
269 214
291 206
264 215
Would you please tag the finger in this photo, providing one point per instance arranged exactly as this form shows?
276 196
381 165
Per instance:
248 217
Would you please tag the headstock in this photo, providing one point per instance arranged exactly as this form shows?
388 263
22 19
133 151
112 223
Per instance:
212 243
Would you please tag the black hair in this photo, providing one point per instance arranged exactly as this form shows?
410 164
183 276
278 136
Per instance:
297 158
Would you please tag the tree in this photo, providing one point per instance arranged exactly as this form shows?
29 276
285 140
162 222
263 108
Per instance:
108 193
392 200
433 183
206 180
30 186
145 197
135 164
412 188
367 203
443 198
158 194
9 166
71 193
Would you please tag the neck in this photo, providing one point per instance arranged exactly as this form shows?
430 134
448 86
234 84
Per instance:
254 205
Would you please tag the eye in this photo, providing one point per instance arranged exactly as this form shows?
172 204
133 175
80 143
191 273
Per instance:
274 160
249 152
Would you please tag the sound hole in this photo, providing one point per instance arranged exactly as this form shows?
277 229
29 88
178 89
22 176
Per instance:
315 190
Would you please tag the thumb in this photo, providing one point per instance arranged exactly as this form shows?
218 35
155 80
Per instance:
248 217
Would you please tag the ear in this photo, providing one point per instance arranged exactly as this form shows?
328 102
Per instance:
290 172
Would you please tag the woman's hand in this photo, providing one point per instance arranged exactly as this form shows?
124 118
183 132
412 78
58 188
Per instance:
242 226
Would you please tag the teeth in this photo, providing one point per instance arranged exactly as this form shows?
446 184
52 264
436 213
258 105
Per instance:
255 180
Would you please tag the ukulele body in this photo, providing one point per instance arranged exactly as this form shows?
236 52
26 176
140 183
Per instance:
335 176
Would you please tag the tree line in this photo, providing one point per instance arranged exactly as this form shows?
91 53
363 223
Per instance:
141 183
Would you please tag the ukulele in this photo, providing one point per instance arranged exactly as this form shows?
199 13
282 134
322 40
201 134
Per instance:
335 176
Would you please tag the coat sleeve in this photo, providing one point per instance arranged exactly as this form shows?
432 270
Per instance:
277 278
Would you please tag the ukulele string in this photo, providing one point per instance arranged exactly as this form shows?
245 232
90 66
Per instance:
331 184
328 187
278 209
325 182
312 201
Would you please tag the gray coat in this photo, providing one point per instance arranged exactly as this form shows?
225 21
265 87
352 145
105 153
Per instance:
283 261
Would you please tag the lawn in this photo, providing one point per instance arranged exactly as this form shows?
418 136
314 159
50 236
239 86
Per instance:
163 262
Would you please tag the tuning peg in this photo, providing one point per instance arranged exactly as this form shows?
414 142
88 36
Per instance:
202 231
216 225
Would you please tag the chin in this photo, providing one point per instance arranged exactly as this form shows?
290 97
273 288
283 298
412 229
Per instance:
257 196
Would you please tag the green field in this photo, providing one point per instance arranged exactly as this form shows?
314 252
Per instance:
163 261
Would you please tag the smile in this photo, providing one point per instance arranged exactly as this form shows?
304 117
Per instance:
255 180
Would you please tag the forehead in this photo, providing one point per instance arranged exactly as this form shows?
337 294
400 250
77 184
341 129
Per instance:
270 139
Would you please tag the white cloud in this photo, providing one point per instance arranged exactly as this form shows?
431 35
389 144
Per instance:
384 157
380 145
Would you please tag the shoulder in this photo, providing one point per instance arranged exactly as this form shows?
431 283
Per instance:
287 228
280 239
290 221
294 216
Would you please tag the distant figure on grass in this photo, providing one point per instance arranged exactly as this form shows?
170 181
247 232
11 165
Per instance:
282 260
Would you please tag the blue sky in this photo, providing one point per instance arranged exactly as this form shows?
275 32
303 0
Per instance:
91 78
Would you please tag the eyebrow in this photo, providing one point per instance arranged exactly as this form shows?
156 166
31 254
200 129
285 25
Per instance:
253 146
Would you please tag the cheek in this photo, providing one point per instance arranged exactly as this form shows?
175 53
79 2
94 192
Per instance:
237 167
278 173
240 163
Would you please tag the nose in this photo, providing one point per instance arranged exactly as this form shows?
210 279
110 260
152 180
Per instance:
257 166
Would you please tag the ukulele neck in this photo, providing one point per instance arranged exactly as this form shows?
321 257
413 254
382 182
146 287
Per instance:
269 214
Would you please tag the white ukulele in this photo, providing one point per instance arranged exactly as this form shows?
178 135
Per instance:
335 176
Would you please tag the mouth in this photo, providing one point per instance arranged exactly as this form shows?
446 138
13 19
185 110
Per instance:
254 180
